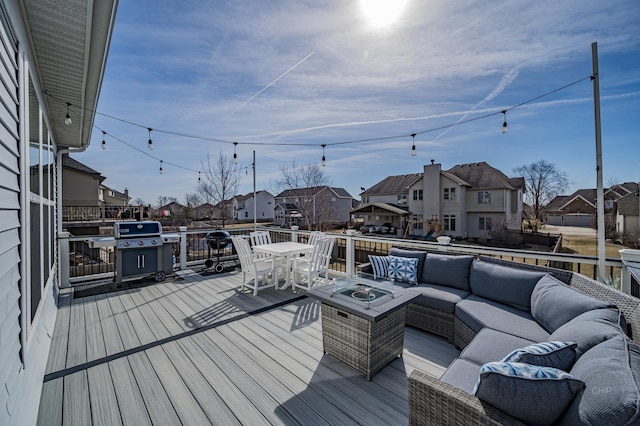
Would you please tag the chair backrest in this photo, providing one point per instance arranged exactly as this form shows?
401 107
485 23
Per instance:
260 237
314 235
321 254
245 255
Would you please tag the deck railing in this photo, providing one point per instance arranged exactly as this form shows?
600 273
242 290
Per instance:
86 264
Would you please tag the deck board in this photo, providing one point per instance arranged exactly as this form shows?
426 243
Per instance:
196 350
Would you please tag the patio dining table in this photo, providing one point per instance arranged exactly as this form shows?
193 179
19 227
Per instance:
286 250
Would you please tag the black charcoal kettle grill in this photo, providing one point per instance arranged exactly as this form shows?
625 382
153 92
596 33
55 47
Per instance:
217 241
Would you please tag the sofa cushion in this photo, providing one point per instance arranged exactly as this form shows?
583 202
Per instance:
403 269
462 374
554 303
438 297
503 284
536 395
379 266
492 345
590 329
452 271
477 312
554 354
611 372
418 254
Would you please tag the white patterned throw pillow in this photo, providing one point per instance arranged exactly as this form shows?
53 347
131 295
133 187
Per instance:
380 266
403 269
559 355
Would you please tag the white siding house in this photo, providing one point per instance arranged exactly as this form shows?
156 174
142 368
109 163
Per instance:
57 46
264 206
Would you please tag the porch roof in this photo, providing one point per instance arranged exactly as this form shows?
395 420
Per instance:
70 41
380 208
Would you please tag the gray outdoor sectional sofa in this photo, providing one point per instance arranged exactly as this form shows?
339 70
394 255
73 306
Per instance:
498 312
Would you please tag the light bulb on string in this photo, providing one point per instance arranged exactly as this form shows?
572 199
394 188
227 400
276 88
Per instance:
104 144
504 124
324 160
160 166
199 179
150 143
67 118
413 148
235 156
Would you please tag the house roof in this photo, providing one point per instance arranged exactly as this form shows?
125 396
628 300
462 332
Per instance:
629 205
240 198
72 164
375 207
70 43
299 192
393 184
482 175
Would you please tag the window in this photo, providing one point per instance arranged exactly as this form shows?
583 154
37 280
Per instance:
484 197
417 223
402 199
449 194
485 223
246 214
417 194
365 200
449 222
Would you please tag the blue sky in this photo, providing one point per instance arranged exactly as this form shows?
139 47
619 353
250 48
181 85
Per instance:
282 78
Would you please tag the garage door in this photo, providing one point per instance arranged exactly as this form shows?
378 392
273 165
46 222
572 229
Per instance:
586 220
555 219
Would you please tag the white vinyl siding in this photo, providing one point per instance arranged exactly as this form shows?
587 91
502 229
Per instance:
10 262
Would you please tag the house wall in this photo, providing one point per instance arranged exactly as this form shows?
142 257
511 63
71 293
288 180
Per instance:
27 225
453 207
627 224
431 188
79 189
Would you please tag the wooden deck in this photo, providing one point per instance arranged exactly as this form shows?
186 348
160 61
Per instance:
195 351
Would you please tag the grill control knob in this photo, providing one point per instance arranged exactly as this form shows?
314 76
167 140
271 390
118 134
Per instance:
126 243
154 242
140 243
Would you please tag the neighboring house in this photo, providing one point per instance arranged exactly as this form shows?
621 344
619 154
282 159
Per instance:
173 209
243 206
468 200
314 207
61 47
579 208
627 210
113 198
203 211
80 183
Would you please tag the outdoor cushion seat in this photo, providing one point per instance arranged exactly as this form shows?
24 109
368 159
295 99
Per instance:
435 296
477 313
492 345
462 374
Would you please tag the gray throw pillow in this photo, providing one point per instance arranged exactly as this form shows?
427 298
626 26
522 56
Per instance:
560 355
590 328
452 271
503 284
536 395
554 303
611 373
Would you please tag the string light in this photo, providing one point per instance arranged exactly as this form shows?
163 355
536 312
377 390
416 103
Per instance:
161 166
199 179
504 124
235 156
104 144
67 118
150 143
324 160
413 148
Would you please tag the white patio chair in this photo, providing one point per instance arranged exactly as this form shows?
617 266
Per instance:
252 268
314 235
259 238
307 269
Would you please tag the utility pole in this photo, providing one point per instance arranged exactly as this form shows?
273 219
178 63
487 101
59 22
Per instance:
595 77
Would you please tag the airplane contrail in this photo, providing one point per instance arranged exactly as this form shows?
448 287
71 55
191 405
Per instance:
267 86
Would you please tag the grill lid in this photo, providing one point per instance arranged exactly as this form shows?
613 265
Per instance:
137 229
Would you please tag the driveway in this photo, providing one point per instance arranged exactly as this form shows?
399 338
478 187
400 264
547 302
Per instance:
569 230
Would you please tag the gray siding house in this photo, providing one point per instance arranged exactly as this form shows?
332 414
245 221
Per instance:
314 206
264 206
468 200
59 47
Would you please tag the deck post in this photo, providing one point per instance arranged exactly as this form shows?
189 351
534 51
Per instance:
350 255
183 247
63 262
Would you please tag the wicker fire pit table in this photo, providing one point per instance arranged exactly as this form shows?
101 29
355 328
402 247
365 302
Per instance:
363 321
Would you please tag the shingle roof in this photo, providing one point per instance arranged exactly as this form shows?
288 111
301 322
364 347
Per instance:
629 205
73 164
393 184
298 192
482 175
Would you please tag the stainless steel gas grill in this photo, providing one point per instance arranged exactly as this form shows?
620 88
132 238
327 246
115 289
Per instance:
140 250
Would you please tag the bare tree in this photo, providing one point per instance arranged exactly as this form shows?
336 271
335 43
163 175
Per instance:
543 182
314 201
138 202
222 179
163 200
